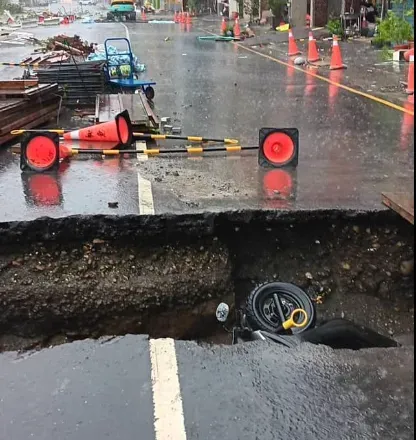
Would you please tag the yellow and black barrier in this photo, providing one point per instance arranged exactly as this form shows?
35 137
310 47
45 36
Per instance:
157 151
158 137
34 65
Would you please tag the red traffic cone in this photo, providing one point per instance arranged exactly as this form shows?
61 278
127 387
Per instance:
293 48
144 18
119 130
223 26
336 58
236 29
313 54
411 76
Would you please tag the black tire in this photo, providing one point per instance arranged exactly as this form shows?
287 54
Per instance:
150 93
260 307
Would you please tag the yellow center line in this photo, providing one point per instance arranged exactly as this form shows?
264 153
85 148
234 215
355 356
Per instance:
327 80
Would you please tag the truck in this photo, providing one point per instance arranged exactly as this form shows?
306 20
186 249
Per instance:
123 10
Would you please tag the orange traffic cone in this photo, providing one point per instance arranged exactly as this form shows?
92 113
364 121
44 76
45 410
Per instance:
293 48
313 54
411 76
408 123
336 58
223 26
120 130
236 29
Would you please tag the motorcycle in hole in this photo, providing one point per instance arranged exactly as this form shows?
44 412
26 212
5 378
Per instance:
283 313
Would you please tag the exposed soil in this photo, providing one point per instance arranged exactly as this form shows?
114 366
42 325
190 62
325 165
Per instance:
65 283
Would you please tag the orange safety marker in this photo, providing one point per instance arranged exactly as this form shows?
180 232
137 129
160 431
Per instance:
119 130
336 58
236 29
293 48
411 76
313 54
223 26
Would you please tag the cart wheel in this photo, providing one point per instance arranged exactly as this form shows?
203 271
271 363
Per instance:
150 93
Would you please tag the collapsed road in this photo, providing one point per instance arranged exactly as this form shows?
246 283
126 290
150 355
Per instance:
75 278
96 258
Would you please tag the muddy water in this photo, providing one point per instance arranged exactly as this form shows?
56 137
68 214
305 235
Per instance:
101 280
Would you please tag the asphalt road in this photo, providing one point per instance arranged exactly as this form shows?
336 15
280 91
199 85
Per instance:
119 389
351 148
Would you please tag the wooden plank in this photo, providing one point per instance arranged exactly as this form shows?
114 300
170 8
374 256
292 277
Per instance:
18 84
33 124
150 114
109 107
133 104
402 203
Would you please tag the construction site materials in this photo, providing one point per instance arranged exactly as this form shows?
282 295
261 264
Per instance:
142 117
74 44
80 82
26 104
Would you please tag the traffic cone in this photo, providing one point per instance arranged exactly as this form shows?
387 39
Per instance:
120 130
293 48
313 54
188 18
236 29
144 18
223 26
182 17
336 58
408 123
411 76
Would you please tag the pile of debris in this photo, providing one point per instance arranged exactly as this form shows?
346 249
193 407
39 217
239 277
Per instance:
74 45
26 103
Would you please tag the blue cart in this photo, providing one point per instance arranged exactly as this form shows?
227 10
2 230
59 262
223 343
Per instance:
125 77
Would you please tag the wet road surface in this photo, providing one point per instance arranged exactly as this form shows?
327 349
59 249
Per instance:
112 389
351 148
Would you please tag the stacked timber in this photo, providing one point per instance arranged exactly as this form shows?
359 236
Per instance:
80 81
26 104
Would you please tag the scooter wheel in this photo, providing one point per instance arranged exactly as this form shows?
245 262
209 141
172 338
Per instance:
150 93
260 309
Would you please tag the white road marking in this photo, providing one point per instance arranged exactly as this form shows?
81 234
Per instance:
169 421
145 194
127 31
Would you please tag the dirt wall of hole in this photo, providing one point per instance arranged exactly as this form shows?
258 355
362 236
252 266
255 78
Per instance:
79 277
